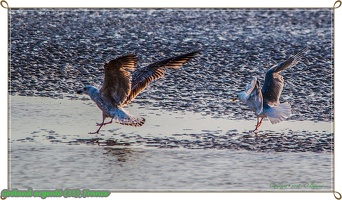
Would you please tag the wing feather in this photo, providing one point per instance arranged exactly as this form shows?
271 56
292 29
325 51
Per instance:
252 96
116 85
290 62
274 82
250 87
258 99
143 77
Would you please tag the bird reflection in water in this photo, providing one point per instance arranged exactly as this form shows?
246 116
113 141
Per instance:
121 154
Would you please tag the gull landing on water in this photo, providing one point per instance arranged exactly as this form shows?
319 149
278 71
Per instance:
265 101
119 88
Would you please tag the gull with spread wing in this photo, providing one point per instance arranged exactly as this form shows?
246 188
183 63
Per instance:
265 101
119 88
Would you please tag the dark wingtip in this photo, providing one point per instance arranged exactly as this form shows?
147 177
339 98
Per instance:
191 54
199 51
305 49
300 54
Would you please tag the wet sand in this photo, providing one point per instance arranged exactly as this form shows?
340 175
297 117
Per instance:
173 151
49 120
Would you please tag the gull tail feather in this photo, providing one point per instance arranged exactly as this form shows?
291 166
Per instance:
121 116
278 113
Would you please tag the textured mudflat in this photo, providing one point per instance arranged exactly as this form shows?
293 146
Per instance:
274 142
59 51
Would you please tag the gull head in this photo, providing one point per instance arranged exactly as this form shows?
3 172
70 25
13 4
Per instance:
89 90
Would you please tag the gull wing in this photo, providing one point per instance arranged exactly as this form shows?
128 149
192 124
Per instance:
144 76
253 96
250 87
274 82
116 85
257 98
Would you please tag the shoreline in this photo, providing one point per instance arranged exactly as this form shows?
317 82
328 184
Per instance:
61 121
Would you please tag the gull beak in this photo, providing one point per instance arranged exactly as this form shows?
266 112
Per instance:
234 99
79 92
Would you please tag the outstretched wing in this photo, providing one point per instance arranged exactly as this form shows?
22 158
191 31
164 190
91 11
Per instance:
252 96
274 82
143 77
116 85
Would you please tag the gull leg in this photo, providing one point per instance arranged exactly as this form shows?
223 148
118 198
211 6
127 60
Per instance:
102 124
96 132
258 124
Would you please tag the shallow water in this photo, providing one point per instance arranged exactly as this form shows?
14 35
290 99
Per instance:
42 166
49 140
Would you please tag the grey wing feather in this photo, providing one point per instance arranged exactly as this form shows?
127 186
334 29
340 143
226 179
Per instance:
290 62
251 86
116 85
274 82
144 76
256 98
272 88
252 96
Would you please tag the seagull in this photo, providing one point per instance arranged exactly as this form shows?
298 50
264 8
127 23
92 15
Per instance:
265 101
119 87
